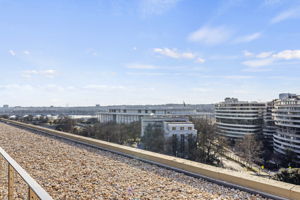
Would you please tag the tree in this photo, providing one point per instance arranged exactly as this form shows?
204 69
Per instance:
210 145
153 139
288 175
192 147
289 159
113 132
4 116
174 144
66 124
134 130
250 148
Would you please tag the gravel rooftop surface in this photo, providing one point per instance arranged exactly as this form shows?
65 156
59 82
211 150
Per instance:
67 170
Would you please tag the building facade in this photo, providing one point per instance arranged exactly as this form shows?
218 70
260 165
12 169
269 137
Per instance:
177 133
286 114
170 126
128 114
269 128
235 119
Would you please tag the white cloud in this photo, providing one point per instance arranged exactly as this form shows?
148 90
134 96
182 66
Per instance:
156 7
268 58
53 87
256 69
264 54
201 89
200 60
272 2
145 73
47 73
20 87
248 53
258 63
248 38
210 35
288 14
91 52
26 52
141 66
173 53
237 77
288 54
12 52
103 87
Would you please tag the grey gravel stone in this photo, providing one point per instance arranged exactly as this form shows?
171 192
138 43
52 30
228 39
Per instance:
71 171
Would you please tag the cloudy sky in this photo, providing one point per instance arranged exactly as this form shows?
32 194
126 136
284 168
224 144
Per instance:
72 52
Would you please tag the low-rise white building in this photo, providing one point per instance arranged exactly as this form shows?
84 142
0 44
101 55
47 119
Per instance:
170 126
179 128
128 114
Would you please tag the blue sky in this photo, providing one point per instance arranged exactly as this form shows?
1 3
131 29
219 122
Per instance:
106 52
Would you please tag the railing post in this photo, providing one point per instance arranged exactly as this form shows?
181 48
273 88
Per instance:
32 195
10 182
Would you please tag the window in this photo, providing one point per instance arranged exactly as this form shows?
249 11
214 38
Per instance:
173 128
190 128
182 128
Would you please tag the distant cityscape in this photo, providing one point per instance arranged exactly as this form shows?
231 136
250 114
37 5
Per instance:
278 120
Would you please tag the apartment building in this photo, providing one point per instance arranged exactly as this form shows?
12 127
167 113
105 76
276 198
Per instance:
235 119
286 115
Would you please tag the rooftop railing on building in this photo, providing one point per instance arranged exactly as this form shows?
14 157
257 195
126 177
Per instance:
35 191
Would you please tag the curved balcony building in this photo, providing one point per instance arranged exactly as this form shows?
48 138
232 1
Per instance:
235 119
286 114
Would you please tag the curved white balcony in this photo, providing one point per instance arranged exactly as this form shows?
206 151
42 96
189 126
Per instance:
238 129
238 125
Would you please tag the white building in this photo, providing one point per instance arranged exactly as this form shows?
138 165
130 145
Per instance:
128 114
235 119
179 128
286 114
170 126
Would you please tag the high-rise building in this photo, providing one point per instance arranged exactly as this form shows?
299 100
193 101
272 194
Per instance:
235 119
286 114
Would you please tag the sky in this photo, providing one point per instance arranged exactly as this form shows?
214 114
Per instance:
108 52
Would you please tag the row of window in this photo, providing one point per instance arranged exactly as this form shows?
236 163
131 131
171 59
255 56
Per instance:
182 128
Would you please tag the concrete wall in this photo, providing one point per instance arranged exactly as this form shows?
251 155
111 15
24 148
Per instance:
269 186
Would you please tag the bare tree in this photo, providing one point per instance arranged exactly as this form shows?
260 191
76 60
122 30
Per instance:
250 148
209 144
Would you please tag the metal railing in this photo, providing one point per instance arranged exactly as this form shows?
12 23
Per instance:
35 191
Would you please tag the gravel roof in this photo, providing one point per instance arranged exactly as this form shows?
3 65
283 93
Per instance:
71 171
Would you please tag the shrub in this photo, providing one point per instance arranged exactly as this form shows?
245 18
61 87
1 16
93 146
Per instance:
289 175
